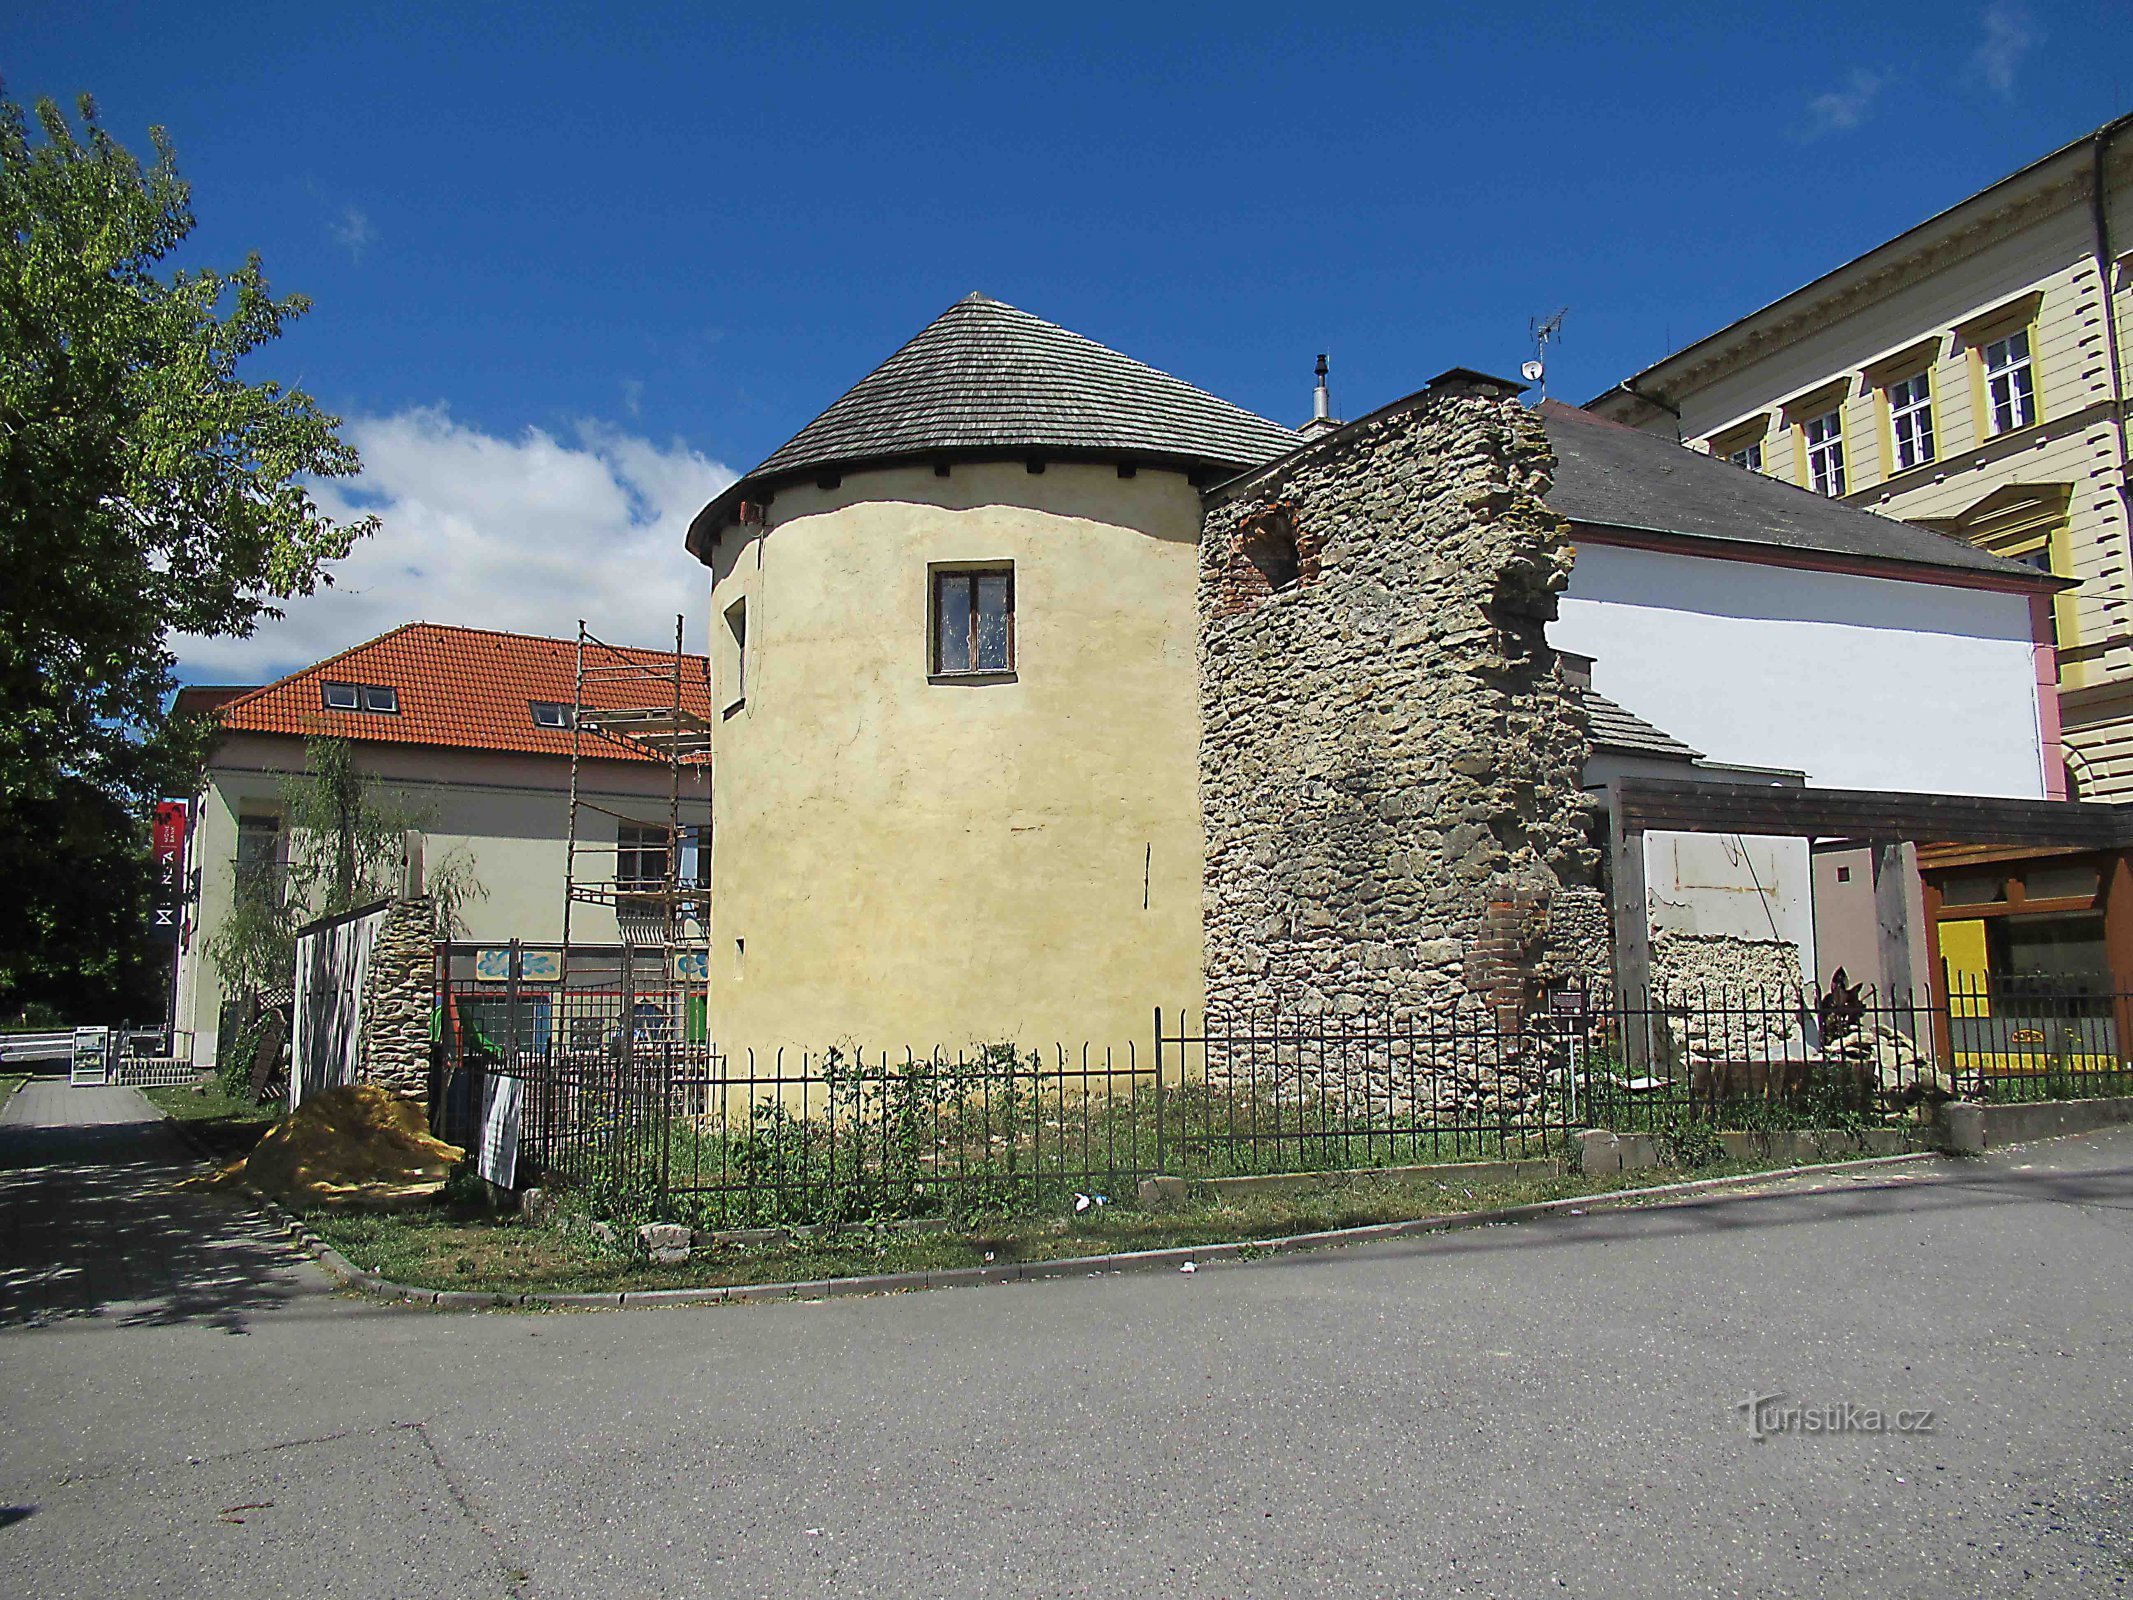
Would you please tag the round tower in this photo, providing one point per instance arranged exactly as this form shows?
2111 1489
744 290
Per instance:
955 772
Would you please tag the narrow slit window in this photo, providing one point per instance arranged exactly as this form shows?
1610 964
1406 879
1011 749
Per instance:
737 651
1911 421
974 621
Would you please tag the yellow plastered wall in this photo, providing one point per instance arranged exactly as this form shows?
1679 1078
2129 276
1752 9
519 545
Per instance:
899 861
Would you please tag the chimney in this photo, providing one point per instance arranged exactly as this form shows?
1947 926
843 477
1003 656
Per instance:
1322 419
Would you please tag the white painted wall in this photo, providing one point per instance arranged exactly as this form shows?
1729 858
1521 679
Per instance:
1861 683
1741 887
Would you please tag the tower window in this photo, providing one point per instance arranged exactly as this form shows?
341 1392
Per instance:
973 621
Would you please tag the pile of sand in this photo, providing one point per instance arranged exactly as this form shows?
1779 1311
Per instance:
357 1146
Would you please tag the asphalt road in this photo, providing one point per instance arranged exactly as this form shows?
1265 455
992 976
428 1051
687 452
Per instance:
1548 1409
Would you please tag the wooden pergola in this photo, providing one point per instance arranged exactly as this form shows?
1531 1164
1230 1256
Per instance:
1883 819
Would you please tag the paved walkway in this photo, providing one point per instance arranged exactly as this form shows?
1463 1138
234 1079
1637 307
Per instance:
1540 1410
92 1225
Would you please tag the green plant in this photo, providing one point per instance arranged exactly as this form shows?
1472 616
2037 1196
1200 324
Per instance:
1689 1143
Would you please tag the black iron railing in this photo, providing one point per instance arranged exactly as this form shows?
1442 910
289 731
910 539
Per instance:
615 1098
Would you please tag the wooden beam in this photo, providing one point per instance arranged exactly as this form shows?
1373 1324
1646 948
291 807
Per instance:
1631 902
1632 928
1670 805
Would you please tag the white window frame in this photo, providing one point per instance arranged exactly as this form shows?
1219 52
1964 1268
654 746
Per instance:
1749 455
1911 421
2010 381
1824 437
559 708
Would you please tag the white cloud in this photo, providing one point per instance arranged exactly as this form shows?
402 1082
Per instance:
525 534
352 231
2010 34
1841 110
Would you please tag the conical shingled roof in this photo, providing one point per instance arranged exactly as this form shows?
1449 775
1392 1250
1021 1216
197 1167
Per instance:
985 376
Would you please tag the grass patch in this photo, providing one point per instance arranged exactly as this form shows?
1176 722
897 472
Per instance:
437 1247
9 1083
228 1125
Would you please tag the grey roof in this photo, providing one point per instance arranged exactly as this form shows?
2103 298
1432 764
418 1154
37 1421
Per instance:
985 377
1614 728
1614 476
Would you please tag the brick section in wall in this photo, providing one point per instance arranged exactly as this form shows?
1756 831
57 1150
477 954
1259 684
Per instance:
1389 759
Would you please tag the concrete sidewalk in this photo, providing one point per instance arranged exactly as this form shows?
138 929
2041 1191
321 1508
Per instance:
93 1227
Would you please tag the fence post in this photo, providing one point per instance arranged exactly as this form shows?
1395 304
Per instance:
1160 1165
511 1040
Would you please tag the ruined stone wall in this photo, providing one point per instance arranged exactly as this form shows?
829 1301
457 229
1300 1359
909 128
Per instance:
1389 762
1732 998
398 994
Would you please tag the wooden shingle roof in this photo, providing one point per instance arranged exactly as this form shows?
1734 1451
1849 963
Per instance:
985 378
1614 727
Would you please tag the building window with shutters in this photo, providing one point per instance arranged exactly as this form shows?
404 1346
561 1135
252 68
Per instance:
2010 384
973 622
1911 421
1825 452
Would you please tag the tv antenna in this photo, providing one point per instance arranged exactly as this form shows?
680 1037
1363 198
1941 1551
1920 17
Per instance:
1545 331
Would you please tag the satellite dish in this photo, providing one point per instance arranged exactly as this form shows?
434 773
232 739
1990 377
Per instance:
1531 371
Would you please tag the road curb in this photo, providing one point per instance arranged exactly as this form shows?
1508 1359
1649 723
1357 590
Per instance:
1174 1256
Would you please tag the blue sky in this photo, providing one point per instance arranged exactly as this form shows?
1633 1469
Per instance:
573 268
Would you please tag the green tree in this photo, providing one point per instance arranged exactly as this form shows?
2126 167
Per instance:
147 489
78 889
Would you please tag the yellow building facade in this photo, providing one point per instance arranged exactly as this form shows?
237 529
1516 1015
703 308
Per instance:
1969 375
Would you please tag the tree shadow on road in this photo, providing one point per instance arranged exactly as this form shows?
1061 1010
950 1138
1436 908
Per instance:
92 1226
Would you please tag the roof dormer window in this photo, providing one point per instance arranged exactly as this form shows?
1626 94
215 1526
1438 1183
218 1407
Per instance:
549 714
380 698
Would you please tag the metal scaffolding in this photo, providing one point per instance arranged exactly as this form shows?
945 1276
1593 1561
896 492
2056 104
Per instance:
631 700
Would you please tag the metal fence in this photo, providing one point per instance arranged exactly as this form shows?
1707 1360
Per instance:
654 1120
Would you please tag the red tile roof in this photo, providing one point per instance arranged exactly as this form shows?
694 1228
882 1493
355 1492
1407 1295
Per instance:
469 689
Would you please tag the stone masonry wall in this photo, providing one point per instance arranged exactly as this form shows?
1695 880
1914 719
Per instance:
1389 761
1731 998
399 992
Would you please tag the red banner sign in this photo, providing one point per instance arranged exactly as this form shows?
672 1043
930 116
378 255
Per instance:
166 847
